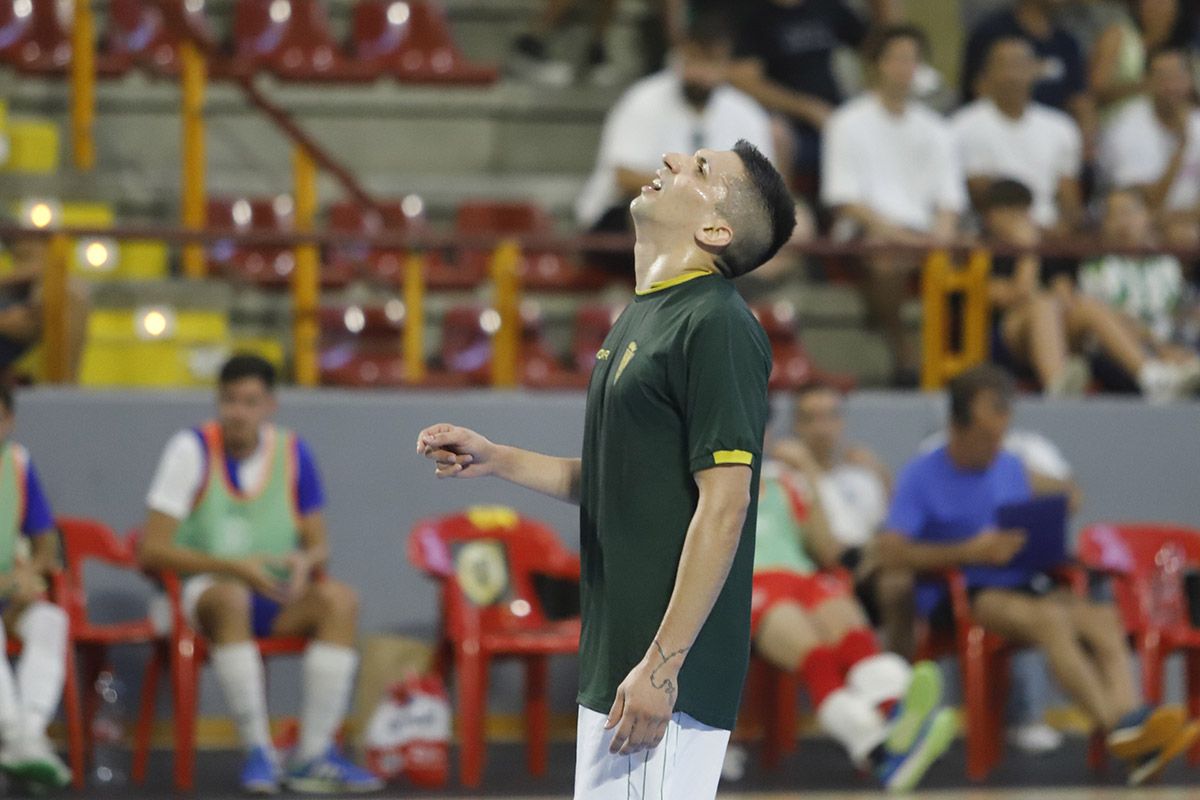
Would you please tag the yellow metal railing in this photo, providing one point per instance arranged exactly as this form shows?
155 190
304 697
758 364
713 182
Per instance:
943 279
83 87
193 79
54 311
306 278
413 336
506 343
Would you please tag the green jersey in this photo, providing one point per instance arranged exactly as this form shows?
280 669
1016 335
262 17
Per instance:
780 544
680 386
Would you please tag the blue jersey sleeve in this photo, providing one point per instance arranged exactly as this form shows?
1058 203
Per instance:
310 494
907 514
38 516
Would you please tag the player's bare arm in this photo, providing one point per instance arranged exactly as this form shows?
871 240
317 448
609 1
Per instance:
646 698
462 453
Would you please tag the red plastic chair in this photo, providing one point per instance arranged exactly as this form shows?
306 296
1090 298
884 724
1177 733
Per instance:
381 265
792 367
139 34
292 39
87 540
188 652
592 324
539 269
540 367
33 38
465 356
269 266
984 660
1127 551
500 616
412 41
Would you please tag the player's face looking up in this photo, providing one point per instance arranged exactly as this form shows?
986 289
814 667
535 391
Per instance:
243 406
685 196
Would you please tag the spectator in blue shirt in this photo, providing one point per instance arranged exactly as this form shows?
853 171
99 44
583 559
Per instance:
944 516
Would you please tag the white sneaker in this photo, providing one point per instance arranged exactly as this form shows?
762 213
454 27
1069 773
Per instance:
542 71
33 760
1162 382
1036 738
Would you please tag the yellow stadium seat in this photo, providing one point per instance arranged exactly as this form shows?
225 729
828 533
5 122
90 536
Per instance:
33 146
87 215
115 356
142 260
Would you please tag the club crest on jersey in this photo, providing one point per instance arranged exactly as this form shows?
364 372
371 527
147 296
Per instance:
626 357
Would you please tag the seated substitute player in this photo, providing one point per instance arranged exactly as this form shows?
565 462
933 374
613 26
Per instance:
667 484
28 555
805 619
944 516
235 508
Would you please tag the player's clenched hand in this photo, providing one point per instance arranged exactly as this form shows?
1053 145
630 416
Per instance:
457 452
996 547
644 703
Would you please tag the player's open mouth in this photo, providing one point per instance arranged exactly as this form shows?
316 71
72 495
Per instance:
654 185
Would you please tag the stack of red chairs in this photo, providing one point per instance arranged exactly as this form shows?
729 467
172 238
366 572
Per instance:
541 368
264 265
361 346
382 265
792 367
499 615
1128 552
291 39
592 324
411 40
140 34
33 37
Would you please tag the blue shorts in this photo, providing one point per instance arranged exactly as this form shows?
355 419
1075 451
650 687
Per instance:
263 612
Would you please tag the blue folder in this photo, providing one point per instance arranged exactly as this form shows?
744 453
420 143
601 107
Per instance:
1044 520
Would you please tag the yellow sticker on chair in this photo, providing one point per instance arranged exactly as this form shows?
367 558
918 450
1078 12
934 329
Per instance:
487 518
481 571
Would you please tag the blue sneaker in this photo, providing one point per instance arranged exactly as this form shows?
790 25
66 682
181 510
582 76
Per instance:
260 772
901 772
332 773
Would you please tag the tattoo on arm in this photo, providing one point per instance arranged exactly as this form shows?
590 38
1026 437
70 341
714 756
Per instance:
666 684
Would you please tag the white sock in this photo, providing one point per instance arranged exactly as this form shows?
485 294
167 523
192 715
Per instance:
880 678
11 726
853 722
239 669
328 678
42 666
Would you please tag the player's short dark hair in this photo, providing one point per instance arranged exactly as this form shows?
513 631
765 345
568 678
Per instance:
1006 193
970 384
8 400
879 43
247 365
760 209
709 29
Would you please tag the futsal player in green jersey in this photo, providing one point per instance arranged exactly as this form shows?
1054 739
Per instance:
667 484
235 508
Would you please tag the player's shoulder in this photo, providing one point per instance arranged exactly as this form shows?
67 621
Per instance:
971 115
1050 117
730 99
20 452
719 308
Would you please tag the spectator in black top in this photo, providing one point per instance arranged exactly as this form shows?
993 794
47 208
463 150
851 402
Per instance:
785 60
1062 77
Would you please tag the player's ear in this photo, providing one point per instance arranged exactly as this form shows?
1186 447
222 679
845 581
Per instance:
714 236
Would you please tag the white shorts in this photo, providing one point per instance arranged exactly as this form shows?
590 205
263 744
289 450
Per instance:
686 765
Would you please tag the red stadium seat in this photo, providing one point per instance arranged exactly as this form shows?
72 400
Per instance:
140 34
264 265
34 37
501 616
540 368
361 346
1128 551
792 367
411 40
381 265
292 39
465 355
541 270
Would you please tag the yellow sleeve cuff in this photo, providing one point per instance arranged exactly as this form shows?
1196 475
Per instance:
733 457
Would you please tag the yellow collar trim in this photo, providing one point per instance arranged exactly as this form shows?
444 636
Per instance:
658 286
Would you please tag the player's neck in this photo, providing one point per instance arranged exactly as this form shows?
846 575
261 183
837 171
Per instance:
1011 107
894 100
654 264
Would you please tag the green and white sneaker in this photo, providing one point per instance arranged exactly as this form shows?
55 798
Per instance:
922 698
34 762
902 772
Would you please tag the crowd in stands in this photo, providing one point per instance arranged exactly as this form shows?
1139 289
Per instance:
1046 148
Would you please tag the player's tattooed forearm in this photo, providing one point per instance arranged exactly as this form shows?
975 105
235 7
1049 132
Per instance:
666 684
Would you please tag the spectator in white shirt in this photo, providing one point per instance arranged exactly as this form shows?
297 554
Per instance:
684 108
890 173
1154 142
1005 134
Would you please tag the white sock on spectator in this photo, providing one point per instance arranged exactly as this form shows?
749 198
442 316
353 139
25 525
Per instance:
10 706
328 678
239 669
42 666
